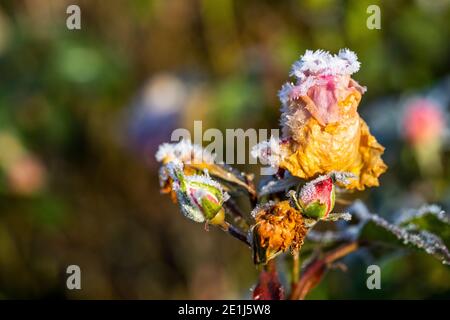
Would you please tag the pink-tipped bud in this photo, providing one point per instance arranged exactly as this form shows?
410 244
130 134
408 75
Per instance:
423 122
316 198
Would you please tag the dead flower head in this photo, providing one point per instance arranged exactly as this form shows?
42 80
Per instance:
278 227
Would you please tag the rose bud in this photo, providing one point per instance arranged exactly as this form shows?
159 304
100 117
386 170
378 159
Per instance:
182 152
278 227
423 121
200 197
316 198
424 128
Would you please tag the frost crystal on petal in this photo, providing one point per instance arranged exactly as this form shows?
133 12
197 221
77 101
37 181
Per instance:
324 63
269 152
285 92
314 66
352 64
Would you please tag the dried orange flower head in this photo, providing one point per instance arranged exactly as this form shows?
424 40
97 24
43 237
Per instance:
278 227
321 124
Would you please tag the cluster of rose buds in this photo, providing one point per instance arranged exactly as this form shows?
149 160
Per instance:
325 143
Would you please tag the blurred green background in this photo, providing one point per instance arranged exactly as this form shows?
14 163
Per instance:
83 111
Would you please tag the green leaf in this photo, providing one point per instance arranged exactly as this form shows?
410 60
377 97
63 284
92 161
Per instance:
375 229
430 218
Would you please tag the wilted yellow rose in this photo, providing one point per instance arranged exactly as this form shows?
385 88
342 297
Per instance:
322 130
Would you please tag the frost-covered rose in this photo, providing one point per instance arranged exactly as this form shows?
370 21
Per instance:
320 121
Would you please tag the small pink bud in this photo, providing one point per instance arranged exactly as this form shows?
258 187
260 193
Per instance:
317 197
423 122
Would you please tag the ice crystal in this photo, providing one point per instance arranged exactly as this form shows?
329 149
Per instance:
324 63
309 191
421 239
435 210
183 151
261 207
315 68
269 152
343 177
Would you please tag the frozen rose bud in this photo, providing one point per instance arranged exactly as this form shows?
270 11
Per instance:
278 227
316 198
200 198
183 152
423 122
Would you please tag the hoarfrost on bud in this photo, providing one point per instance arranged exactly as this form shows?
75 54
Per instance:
200 197
316 198
183 151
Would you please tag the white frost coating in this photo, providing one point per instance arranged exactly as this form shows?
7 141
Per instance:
261 207
352 65
269 152
312 69
190 199
322 62
432 209
308 191
183 151
204 179
207 180
285 91
343 177
421 239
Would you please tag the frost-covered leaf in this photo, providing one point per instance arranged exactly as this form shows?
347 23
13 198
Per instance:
268 287
430 218
373 228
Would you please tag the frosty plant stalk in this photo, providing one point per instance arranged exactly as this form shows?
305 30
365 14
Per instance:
325 149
